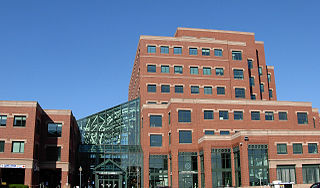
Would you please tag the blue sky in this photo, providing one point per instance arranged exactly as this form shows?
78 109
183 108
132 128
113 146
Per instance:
78 54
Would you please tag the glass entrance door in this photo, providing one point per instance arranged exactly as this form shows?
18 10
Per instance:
109 181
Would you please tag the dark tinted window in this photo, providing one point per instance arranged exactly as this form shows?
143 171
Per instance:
184 116
185 137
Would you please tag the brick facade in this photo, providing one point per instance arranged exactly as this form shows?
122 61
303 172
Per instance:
243 132
34 135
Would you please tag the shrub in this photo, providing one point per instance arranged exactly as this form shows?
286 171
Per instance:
18 186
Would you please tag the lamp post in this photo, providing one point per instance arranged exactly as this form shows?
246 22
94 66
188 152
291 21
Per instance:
80 170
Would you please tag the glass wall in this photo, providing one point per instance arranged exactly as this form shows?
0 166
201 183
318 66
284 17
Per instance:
202 170
188 169
110 145
237 165
221 167
158 171
258 164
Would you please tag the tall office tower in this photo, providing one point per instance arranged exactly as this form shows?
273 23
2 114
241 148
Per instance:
210 116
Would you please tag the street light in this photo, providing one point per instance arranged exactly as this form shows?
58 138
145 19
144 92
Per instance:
80 170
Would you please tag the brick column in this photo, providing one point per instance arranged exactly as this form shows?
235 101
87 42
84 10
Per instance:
244 165
175 169
233 174
64 179
146 169
272 174
28 173
299 176
207 166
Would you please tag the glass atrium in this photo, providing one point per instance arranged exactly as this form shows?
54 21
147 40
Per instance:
110 149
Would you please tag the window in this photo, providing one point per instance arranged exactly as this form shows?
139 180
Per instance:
165 69
240 93
217 52
220 91
188 169
219 72
152 88
281 148
164 49
312 148
206 71
178 69
269 116
152 49
310 173
17 147
261 88
208 132
155 140
238 74
250 65
207 90
19 121
177 50
164 102
155 121
283 116
297 148
54 129
253 97
302 117
269 78
2 146
3 120
53 153
260 71
194 70
178 89
251 81
158 170
286 173
205 52
184 116
165 88
255 115
270 94
238 115
194 89
185 137
224 132
151 68
193 51
151 102
208 114
236 55
223 115
258 164
221 167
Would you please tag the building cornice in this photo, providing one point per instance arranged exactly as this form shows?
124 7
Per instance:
259 133
189 39
58 112
215 31
19 103
240 102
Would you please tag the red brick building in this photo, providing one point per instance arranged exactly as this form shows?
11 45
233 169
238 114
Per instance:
37 146
210 115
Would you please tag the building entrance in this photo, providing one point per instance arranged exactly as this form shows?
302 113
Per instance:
110 181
